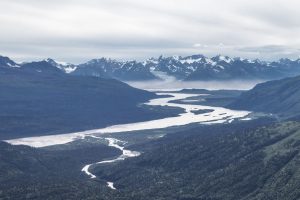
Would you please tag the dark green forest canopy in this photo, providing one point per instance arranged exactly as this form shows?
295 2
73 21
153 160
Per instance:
211 162
221 162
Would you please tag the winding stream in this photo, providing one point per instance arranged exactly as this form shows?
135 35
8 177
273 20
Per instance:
125 154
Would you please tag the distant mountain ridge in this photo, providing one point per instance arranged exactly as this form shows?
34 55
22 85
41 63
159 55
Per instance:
189 68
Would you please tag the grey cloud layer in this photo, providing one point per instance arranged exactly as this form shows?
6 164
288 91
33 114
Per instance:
75 30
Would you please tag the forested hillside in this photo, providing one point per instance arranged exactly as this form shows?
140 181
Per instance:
219 162
34 103
210 162
279 97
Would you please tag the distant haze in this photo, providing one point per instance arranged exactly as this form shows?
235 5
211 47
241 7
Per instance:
209 85
76 31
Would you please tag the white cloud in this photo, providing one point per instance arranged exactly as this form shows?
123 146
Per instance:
75 31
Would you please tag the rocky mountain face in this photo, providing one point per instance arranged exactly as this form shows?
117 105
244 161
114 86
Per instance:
107 68
191 68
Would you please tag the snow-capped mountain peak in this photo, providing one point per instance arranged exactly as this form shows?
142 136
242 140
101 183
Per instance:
188 68
64 66
190 60
221 58
6 62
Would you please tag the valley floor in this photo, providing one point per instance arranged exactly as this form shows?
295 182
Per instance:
237 156
190 115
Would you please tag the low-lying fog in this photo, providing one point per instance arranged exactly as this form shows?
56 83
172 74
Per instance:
210 85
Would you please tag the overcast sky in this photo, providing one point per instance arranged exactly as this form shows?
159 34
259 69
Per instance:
77 30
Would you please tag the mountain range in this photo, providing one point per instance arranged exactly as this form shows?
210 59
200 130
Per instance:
189 68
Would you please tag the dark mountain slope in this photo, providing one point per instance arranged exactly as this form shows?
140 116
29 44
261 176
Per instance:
220 162
28 173
42 67
33 103
280 97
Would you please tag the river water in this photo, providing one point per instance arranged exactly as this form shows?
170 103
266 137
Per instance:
125 154
218 115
